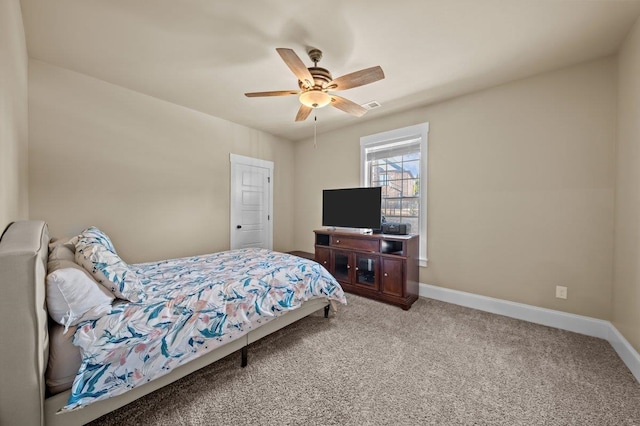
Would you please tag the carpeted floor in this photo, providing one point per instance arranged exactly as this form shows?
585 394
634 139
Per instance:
375 364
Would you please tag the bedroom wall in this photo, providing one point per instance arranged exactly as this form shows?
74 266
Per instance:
520 187
626 284
152 174
13 115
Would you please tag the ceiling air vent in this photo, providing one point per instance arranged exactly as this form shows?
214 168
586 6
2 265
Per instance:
371 105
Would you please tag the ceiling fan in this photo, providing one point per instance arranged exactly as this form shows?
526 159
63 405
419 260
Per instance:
316 83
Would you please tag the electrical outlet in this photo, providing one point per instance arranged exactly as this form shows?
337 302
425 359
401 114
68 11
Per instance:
561 292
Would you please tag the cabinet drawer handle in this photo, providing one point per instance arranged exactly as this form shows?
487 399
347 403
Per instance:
386 275
325 262
337 241
357 268
348 266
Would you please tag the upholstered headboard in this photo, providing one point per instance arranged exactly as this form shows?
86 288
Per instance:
23 322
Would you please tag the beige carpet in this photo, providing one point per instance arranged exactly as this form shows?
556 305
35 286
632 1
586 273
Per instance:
374 364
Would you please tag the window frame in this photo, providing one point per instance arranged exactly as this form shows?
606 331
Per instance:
416 131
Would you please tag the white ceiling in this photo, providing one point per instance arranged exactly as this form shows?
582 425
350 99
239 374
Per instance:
205 54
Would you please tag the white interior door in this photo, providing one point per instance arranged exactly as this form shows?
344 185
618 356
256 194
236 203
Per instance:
251 202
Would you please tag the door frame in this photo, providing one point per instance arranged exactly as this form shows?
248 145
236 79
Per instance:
237 160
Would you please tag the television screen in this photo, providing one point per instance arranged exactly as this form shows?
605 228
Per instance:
352 207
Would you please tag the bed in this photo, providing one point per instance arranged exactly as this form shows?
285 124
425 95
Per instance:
26 323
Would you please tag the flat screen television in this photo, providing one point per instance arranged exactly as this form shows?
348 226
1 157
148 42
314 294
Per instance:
352 208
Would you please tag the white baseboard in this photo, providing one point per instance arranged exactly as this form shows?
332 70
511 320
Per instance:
625 351
549 317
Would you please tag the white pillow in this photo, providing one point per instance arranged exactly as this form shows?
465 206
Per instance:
73 296
102 262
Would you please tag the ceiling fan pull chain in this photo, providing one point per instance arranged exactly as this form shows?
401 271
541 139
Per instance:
315 124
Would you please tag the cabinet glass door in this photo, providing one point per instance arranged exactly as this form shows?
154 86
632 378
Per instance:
367 271
341 267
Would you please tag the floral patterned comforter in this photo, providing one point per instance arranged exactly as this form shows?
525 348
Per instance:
193 306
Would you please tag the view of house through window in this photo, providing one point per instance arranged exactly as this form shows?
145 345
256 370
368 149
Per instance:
396 161
397 170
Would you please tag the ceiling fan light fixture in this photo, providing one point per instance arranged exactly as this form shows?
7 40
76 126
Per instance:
315 98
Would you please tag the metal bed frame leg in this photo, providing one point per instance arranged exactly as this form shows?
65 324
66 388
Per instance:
245 350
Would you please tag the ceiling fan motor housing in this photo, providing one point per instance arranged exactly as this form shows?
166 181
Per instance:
321 78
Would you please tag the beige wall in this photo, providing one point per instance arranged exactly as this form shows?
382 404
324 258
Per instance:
626 288
520 187
13 115
153 175
521 176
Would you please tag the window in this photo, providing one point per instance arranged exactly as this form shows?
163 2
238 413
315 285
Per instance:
397 161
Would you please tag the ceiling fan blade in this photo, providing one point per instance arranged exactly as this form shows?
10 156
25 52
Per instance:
303 113
274 93
296 65
347 106
356 79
